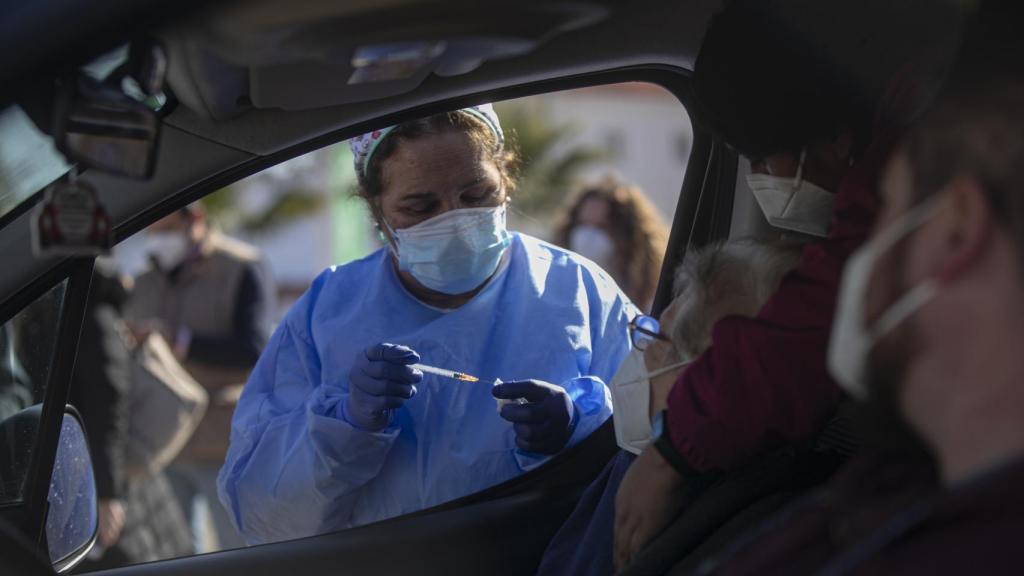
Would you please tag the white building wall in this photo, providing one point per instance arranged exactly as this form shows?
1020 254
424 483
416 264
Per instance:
647 129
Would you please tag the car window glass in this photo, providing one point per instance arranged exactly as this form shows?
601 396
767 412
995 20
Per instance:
268 240
27 344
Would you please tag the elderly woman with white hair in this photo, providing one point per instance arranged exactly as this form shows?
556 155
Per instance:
732 278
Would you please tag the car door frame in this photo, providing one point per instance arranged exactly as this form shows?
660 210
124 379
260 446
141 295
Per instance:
699 198
29 515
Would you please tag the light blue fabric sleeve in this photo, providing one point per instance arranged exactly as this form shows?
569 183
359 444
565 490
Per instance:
610 314
295 466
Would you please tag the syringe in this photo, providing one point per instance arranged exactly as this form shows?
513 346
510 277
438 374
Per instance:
461 376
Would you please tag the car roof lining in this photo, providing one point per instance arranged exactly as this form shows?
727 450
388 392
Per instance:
194 149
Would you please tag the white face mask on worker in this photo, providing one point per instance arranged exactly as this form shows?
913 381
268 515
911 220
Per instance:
793 203
852 340
455 252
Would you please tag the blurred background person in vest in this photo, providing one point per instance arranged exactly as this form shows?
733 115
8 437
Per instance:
615 225
209 296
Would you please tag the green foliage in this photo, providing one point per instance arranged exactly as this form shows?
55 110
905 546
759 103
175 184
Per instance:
289 205
551 167
551 163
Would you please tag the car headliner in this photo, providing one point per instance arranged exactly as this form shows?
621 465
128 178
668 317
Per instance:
198 154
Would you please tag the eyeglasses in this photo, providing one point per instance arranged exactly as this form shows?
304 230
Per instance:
643 330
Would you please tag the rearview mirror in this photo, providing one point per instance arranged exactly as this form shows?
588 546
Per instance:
72 517
101 127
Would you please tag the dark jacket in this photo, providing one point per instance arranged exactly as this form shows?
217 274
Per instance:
890 517
155 526
102 380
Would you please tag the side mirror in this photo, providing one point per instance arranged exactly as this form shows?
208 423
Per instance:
72 517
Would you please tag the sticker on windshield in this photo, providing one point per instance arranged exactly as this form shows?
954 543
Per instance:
70 221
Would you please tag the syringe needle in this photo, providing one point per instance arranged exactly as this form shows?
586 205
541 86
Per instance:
461 376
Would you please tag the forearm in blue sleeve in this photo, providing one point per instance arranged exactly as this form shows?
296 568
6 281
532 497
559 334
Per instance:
295 471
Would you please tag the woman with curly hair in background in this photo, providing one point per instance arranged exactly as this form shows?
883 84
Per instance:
616 226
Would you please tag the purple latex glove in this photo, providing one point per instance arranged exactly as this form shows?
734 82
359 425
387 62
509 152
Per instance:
544 424
379 382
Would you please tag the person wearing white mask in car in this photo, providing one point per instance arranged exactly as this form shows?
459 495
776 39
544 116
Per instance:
927 334
616 225
209 296
336 428
815 148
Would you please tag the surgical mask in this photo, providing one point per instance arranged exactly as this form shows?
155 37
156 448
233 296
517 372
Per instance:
852 340
169 249
454 252
793 203
631 400
594 244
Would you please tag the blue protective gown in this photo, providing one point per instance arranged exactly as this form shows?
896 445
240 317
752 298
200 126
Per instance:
296 467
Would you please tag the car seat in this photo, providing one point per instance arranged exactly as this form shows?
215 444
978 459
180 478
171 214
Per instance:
726 506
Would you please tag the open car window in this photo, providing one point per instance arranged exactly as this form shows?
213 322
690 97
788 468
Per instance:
291 253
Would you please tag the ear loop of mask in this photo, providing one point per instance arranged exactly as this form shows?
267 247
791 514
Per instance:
797 180
660 371
907 304
392 244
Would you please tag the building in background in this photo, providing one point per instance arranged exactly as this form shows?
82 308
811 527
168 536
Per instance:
643 128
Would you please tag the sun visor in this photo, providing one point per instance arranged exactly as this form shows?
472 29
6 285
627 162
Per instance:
313 54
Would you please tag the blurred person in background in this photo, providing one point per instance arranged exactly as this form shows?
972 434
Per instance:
140 519
615 225
208 295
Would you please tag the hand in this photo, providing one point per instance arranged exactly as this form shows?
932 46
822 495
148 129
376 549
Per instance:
648 498
543 424
111 522
142 330
380 381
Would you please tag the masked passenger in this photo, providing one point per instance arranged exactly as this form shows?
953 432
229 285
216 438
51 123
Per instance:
336 429
928 333
815 156
733 278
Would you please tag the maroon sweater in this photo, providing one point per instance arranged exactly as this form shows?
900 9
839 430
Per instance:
764 382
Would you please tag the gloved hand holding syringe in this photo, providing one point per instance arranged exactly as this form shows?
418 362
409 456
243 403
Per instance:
463 377
542 414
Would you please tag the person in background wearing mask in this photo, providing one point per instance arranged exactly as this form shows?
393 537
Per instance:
615 225
927 334
208 295
763 382
336 428
732 278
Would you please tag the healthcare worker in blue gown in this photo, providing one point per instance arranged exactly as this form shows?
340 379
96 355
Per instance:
335 429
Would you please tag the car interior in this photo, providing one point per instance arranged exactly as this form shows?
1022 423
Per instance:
251 85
